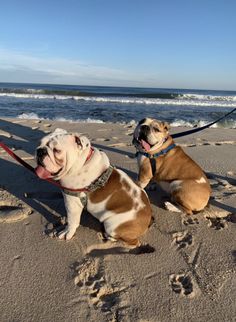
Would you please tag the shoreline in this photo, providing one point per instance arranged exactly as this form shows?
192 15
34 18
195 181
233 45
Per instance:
190 276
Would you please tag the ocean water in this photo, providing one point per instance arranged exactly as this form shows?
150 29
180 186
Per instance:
179 107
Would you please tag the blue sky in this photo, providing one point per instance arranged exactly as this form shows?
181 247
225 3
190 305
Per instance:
148 43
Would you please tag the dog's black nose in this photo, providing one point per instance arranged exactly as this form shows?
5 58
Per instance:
145 128
143 133
41 153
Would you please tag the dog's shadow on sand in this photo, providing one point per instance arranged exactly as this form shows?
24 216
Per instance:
18 181
216 176
25 134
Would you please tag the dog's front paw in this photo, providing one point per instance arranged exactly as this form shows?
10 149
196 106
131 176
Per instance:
67 233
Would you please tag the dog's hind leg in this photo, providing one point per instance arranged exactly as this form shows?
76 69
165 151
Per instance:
192 197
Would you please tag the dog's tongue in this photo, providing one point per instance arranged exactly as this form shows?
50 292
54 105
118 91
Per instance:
145 145
42 172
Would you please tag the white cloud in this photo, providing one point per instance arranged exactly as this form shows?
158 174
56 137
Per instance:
20 66
31 67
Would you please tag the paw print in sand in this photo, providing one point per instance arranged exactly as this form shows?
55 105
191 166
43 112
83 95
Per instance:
183 239
190 221
182 284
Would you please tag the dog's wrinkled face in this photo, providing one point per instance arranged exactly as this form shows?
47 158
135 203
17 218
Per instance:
150 134
57 153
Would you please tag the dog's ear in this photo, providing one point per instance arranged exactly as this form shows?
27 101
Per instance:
166 126
142 121
82 141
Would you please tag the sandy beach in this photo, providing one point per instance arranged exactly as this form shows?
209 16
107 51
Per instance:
190 276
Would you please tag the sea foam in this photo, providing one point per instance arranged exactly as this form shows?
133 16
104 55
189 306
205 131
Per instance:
34 116
183 100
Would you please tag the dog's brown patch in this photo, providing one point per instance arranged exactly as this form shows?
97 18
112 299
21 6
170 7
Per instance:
120 201
131 230
113 184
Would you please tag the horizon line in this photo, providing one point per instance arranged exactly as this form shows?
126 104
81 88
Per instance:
170 88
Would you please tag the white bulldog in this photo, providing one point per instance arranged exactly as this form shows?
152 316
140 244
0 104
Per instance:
111 196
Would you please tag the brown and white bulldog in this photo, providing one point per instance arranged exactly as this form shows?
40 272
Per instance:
160 159
117 201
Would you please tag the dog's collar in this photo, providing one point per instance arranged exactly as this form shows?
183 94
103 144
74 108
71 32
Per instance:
102 180
156 155
98 183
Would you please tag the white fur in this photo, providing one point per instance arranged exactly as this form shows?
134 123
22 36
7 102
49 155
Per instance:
81 175
118 219
135 191
98 210
201 180
74 209
140 159
110 219
169 206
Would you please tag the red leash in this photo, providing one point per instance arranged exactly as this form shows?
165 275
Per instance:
30 168
14 156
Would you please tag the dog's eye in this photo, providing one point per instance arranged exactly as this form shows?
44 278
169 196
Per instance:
156 129
56 150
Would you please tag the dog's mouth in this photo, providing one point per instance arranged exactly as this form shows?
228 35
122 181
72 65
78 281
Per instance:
143 143
43 173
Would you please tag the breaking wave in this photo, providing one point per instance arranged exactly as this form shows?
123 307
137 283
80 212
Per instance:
186 99
34 116
176 123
